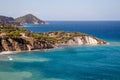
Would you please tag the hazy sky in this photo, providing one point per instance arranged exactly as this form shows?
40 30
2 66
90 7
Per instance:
63 9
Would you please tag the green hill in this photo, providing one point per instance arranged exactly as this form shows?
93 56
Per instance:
29 19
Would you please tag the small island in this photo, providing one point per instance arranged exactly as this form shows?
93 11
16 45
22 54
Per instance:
17 38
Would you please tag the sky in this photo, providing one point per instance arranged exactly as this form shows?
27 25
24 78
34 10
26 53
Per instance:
75 10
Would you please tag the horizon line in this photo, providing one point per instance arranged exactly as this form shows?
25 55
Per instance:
81 20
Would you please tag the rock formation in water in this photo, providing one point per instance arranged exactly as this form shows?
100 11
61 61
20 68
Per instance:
14 38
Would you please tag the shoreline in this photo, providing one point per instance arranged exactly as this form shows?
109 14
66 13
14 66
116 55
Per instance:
61 46
8 52
15 52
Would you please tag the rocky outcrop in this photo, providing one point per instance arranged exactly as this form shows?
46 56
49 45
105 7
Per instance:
5 45
15 45
85 40
74 38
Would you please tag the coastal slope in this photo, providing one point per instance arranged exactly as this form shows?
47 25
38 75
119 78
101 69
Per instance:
13 38
73 38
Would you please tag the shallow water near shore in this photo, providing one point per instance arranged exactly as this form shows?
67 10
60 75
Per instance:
65 63
101 62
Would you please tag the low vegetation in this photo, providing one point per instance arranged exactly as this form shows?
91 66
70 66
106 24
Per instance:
7 30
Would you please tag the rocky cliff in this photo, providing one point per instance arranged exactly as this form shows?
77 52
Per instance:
74 38
21 44
85 40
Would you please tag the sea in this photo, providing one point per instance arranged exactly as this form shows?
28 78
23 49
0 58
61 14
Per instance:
98 62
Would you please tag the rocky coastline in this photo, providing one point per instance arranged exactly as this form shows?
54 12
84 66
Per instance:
13 38
15 47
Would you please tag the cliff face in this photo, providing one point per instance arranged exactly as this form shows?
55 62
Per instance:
74 38
85 40
20 44
23 43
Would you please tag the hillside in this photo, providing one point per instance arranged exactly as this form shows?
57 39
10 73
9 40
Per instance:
14 38
4 19
29 19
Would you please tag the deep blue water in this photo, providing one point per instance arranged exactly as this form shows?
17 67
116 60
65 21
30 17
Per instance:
109 30
100 62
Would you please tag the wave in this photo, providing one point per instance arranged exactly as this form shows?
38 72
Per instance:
114 43
32 60
9 52
52 79
6 52
23 59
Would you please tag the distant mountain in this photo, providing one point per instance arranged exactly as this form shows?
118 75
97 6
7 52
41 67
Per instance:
4 19
8 20
29 19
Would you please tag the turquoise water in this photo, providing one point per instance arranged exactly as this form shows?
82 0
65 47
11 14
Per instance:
100 62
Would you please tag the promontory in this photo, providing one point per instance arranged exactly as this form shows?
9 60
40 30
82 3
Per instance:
13 38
